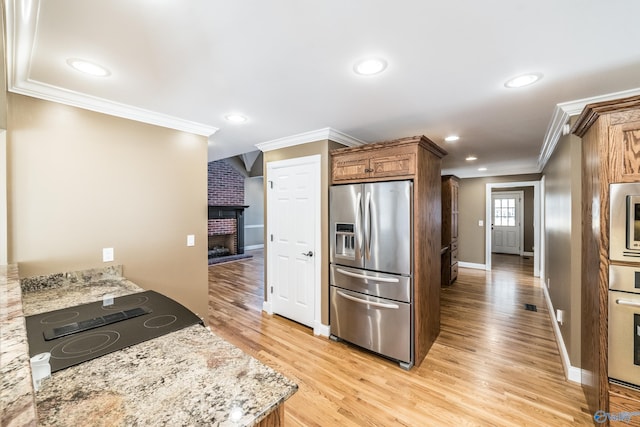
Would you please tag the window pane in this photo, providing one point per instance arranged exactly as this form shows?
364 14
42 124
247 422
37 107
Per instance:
504 212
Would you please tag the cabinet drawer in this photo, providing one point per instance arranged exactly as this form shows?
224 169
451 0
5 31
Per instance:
454 272
454 257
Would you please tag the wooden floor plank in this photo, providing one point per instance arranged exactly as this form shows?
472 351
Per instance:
494 363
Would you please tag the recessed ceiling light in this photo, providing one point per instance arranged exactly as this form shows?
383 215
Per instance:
482 169
523 80
88 67
235 118
370 66
452 138
471 158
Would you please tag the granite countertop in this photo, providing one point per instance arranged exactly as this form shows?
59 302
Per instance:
41 294
17 404
187 377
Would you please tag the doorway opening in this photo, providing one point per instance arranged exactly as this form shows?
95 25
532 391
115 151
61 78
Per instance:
529 247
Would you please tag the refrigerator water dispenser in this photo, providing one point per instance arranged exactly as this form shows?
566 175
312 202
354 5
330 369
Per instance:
345 241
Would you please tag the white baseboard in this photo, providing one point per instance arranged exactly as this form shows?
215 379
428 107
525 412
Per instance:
266 307
318 328
322 330
527 254
472 265
248 248
571 372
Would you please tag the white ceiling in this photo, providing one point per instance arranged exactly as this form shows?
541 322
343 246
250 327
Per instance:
287 65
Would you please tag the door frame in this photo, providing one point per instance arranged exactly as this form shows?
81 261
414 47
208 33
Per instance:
538 250
267 306
520 214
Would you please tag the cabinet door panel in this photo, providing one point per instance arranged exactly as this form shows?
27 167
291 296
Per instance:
395 165
350 167
625 152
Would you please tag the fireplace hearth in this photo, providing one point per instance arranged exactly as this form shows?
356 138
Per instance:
226 233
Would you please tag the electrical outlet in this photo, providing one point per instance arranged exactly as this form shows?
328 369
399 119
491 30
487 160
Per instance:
107 254
191 240
560 316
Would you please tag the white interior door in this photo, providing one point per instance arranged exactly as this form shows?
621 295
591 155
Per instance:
293 229
506 222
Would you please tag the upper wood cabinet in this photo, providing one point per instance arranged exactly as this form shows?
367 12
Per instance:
369 163
625 149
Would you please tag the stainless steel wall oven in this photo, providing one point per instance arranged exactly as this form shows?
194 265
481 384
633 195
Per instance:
624 283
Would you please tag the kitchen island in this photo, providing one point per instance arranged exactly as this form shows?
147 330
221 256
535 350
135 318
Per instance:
187 377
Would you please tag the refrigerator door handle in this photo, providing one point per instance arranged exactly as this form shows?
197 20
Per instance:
367 225
359 234
362 276
364 301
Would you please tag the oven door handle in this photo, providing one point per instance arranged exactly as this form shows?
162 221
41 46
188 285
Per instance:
364 301
362 276
629 303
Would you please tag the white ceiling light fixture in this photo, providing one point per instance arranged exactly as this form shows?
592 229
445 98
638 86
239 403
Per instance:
370 66
471 158
235 118
452 138
482 169
523 80
88 67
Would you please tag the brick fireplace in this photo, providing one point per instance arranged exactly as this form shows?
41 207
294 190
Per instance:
225 211
226 230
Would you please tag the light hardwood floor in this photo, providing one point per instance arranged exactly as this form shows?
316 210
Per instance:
494 363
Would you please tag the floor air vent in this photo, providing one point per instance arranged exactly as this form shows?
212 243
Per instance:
530 307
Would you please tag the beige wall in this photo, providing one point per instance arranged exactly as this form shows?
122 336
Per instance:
4 231
471 205
563 210
322 148
254 214
80 181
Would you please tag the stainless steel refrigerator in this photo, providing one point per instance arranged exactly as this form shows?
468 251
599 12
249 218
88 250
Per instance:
371 270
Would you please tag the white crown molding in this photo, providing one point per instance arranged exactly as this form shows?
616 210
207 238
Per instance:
554 131
22 19
561 114
314 135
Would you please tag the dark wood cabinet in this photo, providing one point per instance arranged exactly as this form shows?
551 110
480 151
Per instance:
450 187
418 159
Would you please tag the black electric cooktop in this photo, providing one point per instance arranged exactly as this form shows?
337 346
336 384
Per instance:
76 334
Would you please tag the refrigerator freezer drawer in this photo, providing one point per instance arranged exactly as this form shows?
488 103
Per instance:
375 284
377 324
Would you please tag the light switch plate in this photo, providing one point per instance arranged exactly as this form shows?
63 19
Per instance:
107 254
191 240
480 223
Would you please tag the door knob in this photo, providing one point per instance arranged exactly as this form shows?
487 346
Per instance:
308 253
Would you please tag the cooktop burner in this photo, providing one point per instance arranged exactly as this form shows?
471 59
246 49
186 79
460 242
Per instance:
77 334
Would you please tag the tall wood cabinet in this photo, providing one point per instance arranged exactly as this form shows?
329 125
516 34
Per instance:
450 187
610 133
417 159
